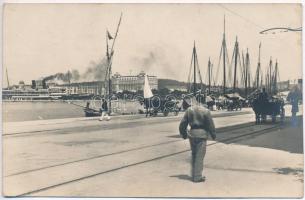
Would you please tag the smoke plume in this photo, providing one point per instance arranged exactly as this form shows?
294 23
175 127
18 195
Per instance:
94 72
158 62
75 75
65 77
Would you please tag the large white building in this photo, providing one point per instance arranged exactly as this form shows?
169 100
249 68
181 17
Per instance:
93 87
132 83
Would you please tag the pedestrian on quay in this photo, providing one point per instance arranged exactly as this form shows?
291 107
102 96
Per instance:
201 126
104 110
293 97
263 98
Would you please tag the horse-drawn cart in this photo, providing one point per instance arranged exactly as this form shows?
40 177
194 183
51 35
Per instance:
234 101
272 107
157 105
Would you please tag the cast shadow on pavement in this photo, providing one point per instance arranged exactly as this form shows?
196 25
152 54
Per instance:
175 136
289 170
298 172
182 177
286 138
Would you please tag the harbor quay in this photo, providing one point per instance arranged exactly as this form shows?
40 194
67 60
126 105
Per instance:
138 156
172 100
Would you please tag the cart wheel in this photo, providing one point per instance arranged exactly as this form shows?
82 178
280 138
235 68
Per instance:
165 113
176 113
154 113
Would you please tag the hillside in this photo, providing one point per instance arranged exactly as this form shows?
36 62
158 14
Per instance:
169 83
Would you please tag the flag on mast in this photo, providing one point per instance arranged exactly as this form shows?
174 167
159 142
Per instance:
147 90
109 36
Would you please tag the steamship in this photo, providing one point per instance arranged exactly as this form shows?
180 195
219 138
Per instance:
39 90
31 94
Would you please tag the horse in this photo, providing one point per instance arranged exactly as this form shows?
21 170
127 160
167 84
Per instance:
272 107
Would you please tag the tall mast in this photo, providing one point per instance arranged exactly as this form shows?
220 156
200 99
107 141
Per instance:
270 75
193 74
224 55
109 61
258 67
235 52
275 79
266 80
209 74
194 54
8 83
247 77
189 74
243 67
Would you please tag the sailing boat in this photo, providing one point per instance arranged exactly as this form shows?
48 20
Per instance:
193 73
194 88
236 61
237 71
90 112
272 78
224 61
108 82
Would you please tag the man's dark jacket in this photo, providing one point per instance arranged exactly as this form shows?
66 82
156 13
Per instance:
200 120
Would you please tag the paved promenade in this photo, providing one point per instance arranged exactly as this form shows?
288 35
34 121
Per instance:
133 156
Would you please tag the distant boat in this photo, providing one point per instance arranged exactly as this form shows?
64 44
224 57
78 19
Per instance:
31 94
90 112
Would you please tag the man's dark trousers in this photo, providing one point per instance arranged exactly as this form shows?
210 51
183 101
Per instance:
198 147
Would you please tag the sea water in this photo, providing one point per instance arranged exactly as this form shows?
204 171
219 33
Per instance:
42 110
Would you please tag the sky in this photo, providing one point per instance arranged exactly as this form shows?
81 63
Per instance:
43 39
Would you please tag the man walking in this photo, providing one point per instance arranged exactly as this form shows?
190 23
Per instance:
263 98
104 111
293 97
200 120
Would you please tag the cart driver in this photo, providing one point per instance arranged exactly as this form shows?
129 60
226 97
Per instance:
263 96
